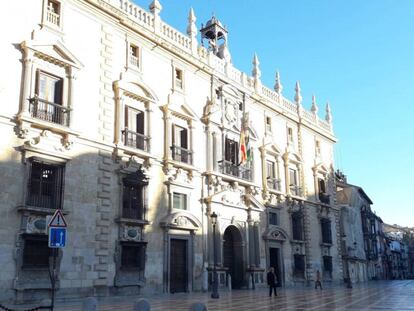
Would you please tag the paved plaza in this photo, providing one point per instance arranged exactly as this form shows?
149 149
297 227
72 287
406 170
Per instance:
380 295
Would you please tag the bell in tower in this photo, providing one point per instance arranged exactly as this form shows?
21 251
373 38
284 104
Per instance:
216 34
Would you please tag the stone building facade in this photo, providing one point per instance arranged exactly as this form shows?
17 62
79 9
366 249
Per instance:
133 129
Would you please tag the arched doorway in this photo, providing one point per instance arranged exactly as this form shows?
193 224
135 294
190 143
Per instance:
233 256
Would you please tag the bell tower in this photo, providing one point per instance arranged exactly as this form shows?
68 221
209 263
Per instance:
216 34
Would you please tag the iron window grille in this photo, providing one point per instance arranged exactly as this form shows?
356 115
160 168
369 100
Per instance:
45 188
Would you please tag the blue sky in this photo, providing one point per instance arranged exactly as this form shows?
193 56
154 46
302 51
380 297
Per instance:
358 55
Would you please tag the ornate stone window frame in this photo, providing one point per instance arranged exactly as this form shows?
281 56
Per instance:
131 230
54 58
272 153
140 97
294 161
320 171
177 112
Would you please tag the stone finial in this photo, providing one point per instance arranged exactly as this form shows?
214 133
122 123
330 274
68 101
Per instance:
155 7
314 107
298 96
256 73
328 116
278 85
192 28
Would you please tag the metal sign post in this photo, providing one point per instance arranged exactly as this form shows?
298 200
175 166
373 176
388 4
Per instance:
57 239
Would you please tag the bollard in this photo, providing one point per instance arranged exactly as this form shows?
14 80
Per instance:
142 305
198 306
90 304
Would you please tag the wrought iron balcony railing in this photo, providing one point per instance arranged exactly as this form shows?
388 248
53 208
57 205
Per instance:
229 168
295 190
273 183
181 154
324 198
135 140
50 112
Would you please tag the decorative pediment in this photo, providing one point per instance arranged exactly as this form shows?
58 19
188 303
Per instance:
232 196
272 149
320 167
182 221
276 234
54 51
292 156
179 107
136 89
254 203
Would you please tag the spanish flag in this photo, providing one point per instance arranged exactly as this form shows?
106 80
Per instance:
243 148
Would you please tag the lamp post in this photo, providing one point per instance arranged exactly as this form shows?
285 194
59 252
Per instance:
215 293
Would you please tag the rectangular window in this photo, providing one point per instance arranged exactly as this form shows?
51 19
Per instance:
317 147
53 12
231 151
327 266
179 200
272 180
326 231
135 129
180 149
45 188
268 124
290 135
132 201
323 196
134 55
273 218
47 104
132 256
36 251
297 226
293 182
49 88
179 83
299 266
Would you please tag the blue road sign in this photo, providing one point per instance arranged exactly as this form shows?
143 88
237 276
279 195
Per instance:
57 237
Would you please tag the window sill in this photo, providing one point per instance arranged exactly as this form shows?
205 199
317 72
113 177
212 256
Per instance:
44 125
132 221
39 210
326 244
231 178
297 241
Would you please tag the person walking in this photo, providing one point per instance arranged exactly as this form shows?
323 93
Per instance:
272 281
318 280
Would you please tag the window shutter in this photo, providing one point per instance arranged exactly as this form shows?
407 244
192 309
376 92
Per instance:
322 185
140 123
184 138
227 155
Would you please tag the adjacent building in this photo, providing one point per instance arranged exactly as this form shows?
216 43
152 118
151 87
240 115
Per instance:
139 134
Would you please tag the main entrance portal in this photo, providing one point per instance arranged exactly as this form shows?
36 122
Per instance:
233 256
274 256
178 266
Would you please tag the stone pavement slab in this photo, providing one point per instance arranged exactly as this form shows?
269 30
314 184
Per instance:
375 295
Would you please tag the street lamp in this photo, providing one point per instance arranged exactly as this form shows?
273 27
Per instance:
215 293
